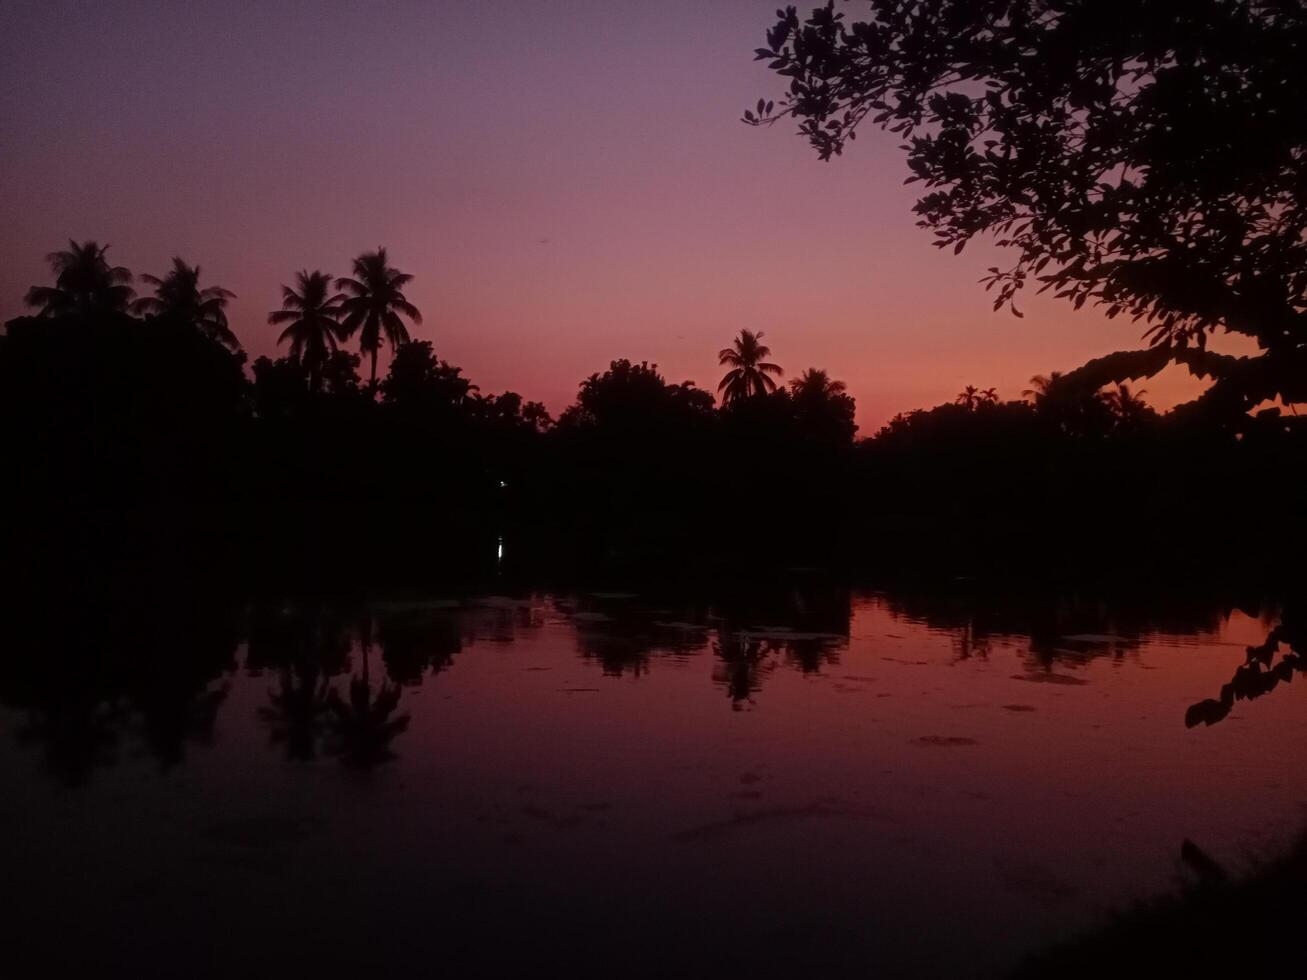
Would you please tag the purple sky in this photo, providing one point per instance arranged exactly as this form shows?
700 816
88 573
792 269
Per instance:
567 180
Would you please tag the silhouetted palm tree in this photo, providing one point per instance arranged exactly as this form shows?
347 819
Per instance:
313 314
1128 407
375 304
1073 408
817 385
749 372
84 282
178 294
1041 386
989 396
969 398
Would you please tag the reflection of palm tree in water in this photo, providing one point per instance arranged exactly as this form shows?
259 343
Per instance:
743 662
174 717
307 647
363 726
968 643
413 643
810 655
297 711
79 735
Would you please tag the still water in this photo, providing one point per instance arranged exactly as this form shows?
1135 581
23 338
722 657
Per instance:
802 778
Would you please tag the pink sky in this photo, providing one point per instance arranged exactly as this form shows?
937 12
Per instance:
568 182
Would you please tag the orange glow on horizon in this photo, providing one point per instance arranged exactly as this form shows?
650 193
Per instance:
567 190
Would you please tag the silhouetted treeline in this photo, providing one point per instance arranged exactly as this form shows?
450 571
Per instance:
144 443
1069 477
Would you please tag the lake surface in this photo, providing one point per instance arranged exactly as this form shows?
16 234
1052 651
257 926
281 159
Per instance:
799 777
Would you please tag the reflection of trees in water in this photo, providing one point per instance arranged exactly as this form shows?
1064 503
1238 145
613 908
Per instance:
315 637
623 635
967 644
616 653
307 645
312 645
1076 628
358 721
94 682
174 717
78 733
810 654
745 659
90 676
296 711
1055 627
748 630
742 665
413 643
804 622
364 725
92 679
499 619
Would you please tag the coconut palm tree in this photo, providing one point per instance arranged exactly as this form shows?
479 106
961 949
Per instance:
178 295
312 313
84 282
749 372
969 398
822 407
816 385
1128 406
1074 409
1041 385
375 305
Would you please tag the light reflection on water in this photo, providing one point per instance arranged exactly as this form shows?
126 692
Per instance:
801 778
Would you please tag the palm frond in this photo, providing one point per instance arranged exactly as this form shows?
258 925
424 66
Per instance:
409 310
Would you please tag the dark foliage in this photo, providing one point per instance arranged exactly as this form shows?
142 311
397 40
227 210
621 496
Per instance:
1148 157
122 438
1260 673
179 297
85 283
1215 927
137 443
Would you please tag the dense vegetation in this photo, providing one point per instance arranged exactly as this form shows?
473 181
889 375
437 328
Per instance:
137 435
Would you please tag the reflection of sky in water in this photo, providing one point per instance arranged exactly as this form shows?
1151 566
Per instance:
827 777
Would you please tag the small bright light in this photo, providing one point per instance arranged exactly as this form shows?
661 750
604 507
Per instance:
502 484
499 550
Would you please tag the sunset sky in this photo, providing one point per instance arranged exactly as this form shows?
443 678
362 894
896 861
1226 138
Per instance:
568 182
